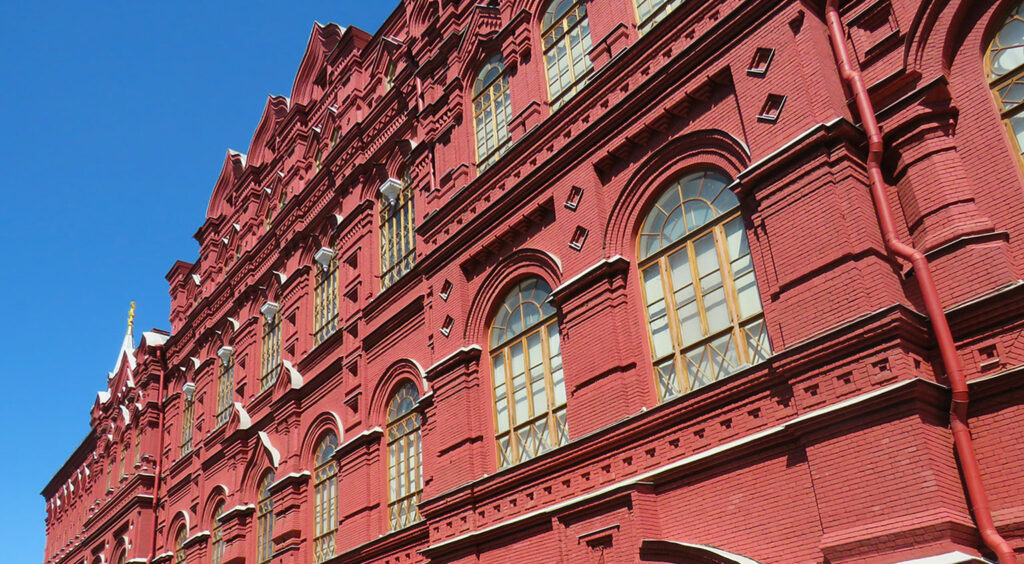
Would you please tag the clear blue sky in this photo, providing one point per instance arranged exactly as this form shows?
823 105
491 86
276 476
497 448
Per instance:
116 117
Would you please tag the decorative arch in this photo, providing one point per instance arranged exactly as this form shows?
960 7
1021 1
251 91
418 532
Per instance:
400 371
322 41
181 519
262 146
708 149
503 276
326 421
218 494
230 172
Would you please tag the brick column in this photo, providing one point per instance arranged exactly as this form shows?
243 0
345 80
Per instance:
456 428
236 523
595 315
290 493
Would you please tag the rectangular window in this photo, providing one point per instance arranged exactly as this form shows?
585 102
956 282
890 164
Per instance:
225 390
186 426
325 301
397 235
271 350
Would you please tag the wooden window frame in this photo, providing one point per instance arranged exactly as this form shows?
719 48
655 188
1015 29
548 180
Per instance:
658 12
265 520
555 413
1005 80
180 536
497 127
325 499
217 534
271 357
397 234
187 425
225 391
561 24
325 301
404 435
737 325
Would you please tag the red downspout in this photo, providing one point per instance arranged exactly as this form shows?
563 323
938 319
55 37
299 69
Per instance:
950 359
160 450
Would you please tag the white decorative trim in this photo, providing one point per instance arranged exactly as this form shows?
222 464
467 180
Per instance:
324 256
462 350
225 353
269 310
196 279
281 277
275 455
234 323
390 189
581 275
955 557
189 389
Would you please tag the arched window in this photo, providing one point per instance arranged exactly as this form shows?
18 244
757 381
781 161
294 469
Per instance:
225 388
492 108
529 389
703 305
566 36
397 230
405 458
216 534
325 299
650 12
325 507
179 545
121 556
1006 73
271 349
265 520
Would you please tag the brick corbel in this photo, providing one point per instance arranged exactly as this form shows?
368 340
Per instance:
610 45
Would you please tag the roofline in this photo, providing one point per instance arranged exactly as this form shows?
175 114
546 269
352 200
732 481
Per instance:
75 456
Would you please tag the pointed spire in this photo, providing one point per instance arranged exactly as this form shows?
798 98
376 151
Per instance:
131 318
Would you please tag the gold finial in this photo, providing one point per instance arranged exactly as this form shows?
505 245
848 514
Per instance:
131 317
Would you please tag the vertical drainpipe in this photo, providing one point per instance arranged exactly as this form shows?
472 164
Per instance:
160 450
962 441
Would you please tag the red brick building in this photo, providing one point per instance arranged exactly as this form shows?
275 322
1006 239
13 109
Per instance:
593 281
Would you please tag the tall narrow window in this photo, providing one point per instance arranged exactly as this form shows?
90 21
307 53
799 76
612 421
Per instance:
389 75
271 349
122 471
265 520
138 444
566 33
225 388
217 534
650 12
179 545
526 361
397 231
186 424
492 108
1006 74
703 305
405 458
325 300
325 507
110 471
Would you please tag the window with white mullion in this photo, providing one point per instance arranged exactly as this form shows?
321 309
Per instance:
566 42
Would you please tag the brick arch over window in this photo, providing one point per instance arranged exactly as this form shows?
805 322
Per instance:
503 277
394 376
324 422
708 149
670 552
181 519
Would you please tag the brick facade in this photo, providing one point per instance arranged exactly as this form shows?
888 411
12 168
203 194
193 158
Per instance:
835 449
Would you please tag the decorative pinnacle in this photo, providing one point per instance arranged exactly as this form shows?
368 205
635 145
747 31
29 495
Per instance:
131 318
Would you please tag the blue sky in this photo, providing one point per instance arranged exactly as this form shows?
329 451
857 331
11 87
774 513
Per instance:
116 117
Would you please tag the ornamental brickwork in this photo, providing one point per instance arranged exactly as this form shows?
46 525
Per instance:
592 281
